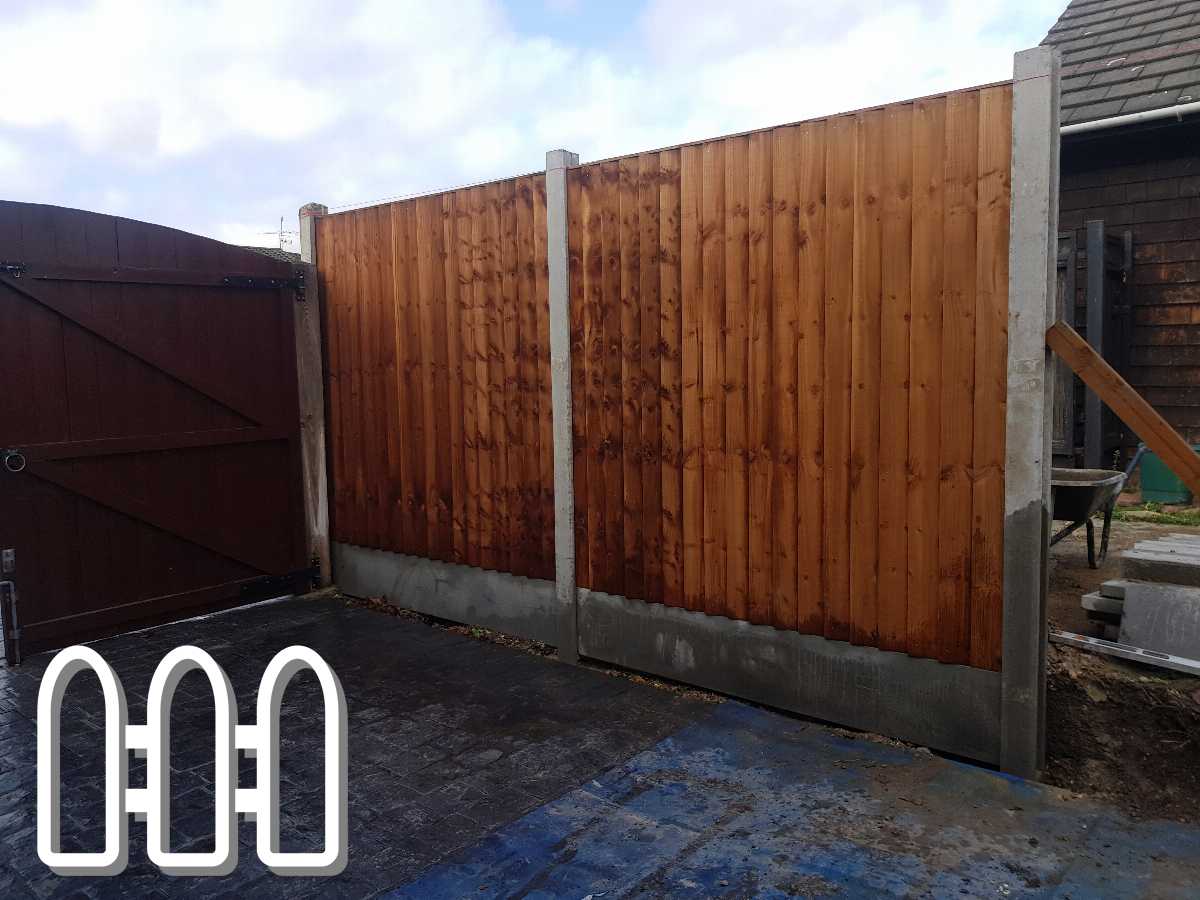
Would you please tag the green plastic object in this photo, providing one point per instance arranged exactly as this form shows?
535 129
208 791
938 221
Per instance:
1160 484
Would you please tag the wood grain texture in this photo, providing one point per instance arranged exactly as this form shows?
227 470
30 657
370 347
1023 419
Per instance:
437 334
671 386
957 377
865 421
760 398
691 280
812 594
160 413
651 383
788 369
611 406
895 285
785 329
840 165
735 339
925 341
991 377
580 390
1132 409
712 375
632 542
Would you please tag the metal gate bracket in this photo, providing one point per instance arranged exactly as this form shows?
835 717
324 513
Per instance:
15 269
262 282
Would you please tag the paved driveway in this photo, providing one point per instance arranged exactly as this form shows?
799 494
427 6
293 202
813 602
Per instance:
478 770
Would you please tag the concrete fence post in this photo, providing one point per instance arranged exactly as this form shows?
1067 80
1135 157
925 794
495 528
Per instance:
310 371
1032 303
567 598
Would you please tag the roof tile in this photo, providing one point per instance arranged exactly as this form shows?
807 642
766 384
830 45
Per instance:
1143 102
1079 98
1180 78
1093 111
1132 88
1171 64
1123 56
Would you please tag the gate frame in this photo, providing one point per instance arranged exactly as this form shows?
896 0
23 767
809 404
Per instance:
55 246
996 717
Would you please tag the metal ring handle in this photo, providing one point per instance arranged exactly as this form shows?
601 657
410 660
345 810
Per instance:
14 461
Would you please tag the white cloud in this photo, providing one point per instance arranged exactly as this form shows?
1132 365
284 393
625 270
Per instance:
748 65
12 161
238 111
249 234
141 77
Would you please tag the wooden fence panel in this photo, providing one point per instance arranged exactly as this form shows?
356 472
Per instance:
830 362
439 393
788 366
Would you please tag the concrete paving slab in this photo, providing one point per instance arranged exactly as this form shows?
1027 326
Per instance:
1098 602
1115 589
1189 548
1162 617
1160 567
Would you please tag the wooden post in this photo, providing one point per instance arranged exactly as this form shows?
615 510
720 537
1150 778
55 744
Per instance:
311 378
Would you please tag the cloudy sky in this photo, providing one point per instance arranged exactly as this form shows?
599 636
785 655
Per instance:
220 117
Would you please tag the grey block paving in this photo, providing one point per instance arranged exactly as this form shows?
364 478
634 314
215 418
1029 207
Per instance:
449 738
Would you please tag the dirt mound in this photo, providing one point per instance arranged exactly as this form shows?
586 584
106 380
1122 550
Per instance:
1127 733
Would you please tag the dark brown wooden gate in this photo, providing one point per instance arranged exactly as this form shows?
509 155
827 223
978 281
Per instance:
148 423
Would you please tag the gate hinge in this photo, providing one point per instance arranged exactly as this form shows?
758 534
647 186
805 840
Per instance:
264 283
15 269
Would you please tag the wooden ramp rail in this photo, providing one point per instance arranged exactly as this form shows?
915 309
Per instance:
1127 403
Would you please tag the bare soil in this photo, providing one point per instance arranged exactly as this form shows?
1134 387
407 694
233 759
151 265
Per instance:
1122 732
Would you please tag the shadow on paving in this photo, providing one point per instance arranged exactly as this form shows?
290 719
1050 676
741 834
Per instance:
449 739
477 770
747 803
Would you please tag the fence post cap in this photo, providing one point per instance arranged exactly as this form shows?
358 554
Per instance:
1036 62
561 159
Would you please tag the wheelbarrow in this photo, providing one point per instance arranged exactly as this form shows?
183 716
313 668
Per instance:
1077 495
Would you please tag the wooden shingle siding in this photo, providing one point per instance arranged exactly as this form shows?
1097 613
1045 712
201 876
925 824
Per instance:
1149 185
789 357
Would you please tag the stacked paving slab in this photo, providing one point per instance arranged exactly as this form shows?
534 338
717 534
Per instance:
1156 604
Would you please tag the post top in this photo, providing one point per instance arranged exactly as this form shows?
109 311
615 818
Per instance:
1036 62
561 159
314 209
